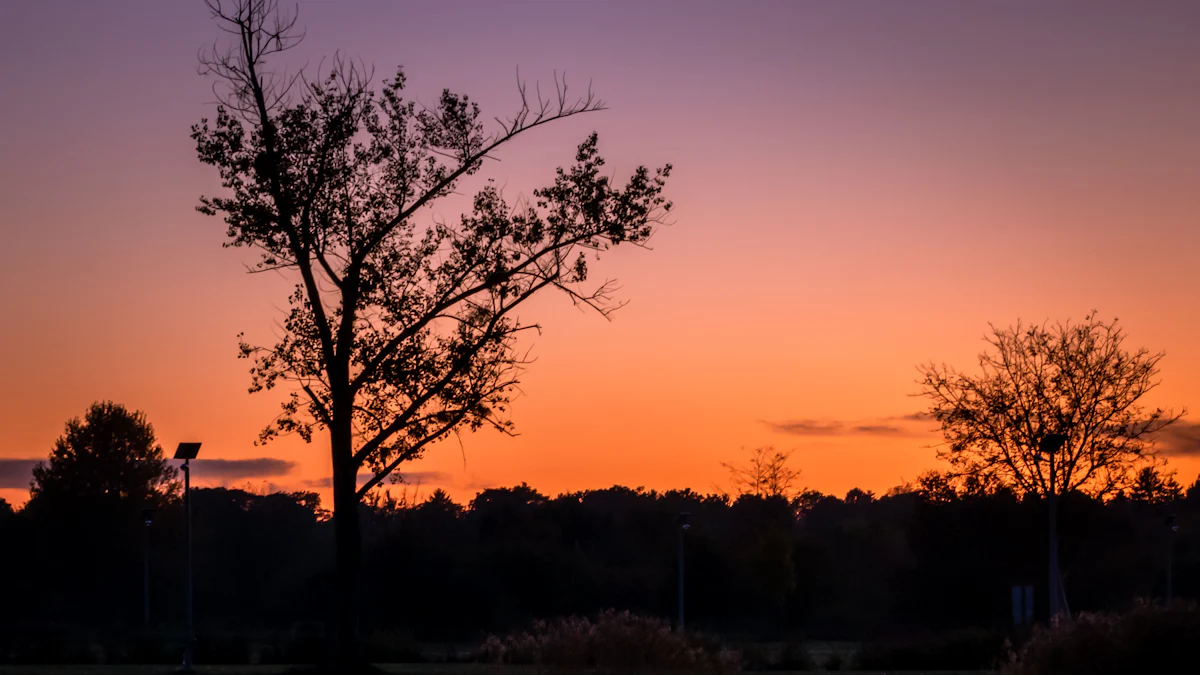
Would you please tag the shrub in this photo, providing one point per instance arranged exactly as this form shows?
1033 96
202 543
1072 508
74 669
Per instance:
958 650
1148 639
616 642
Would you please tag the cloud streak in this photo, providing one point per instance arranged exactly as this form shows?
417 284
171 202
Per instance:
410 478
884 426
236 469
1181 439
16 473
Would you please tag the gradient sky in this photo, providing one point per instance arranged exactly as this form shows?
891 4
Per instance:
860 188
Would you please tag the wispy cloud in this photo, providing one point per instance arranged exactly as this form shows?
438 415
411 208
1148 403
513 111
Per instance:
225 470
1181 439
883 426
426 477
919 416
410 478
16 473
807 427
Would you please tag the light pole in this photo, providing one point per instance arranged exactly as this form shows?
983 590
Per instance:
1172 528
683 527
187 452
1049 446
147 518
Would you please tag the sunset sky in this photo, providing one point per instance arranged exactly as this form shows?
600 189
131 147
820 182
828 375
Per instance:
859 188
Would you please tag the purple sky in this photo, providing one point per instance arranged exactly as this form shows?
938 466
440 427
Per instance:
860 187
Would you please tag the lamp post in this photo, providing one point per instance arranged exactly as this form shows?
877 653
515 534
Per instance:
187 452
1049 446
683 527
147 518
1172 528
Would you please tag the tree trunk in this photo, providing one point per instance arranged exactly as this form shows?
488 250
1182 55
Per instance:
348 537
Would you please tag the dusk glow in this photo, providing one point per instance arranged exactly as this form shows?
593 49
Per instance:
859 188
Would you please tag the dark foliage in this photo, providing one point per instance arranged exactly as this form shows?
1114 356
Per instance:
1149 639
901 570
613 642
107 460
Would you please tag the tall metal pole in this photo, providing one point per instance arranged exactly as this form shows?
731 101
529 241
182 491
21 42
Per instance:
146 573
187 507
1172 528
681 530
1053 590
1170 540
1049 445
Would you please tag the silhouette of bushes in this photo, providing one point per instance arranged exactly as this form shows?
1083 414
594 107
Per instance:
969 649
1148 639
614 642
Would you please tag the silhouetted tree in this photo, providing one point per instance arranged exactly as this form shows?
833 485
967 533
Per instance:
1056 410
109 457
1077 380
398 334
765 474
937 487
87 499
1153 486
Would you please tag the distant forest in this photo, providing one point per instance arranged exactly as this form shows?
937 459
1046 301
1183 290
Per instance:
921 558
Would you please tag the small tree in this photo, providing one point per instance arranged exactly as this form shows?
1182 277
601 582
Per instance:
1154 486
398 334
765 474
108 458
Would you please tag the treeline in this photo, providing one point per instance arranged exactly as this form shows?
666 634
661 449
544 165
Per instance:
918 559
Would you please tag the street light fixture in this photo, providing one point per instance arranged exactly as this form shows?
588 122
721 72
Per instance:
682 521
187 452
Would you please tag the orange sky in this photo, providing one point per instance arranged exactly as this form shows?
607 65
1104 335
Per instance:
859 188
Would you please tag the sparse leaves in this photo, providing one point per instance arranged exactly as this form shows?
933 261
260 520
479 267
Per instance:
765 474
397 334
1072 379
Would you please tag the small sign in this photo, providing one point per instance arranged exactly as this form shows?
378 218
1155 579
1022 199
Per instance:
1022 605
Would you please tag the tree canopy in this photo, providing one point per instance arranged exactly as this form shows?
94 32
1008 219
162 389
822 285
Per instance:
110 456
1074 381
402 328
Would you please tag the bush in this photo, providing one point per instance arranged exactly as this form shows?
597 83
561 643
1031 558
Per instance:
1149 639
957 650
616 642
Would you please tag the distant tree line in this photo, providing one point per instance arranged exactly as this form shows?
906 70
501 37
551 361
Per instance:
937 554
